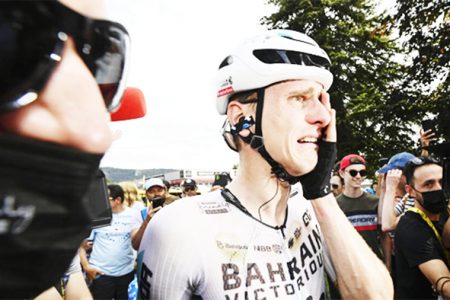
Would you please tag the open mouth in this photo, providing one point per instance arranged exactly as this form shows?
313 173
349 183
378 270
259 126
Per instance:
306 140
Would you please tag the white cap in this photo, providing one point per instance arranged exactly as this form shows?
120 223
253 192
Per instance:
153 182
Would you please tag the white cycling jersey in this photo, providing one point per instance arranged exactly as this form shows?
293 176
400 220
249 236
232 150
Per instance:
207 248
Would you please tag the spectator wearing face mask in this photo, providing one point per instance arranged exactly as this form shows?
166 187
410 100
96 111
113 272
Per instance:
156 193
421 259
57 84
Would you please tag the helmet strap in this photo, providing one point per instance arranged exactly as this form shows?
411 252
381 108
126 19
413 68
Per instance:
256 141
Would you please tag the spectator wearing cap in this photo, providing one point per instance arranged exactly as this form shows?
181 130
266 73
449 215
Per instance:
220 181
155 191
169 197
421 259
189 188
394 200
359 206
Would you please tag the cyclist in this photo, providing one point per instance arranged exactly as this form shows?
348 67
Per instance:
259 238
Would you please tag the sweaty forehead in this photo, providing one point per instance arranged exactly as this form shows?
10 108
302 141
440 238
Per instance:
91 8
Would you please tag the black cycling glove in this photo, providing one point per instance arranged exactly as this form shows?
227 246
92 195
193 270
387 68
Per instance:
316 183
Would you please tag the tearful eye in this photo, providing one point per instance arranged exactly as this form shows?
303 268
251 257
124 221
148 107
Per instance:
298 98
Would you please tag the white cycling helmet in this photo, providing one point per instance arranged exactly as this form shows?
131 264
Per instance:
268 58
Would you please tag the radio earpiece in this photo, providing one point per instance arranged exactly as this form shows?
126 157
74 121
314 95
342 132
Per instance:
244 123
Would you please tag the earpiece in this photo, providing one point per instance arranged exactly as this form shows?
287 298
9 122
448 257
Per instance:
245 122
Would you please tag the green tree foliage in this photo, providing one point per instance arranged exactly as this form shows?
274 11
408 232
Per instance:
374 98
424 29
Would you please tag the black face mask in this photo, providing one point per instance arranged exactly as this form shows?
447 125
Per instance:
435 201
43 212
158 201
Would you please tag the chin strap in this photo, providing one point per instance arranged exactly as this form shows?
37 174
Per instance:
256 141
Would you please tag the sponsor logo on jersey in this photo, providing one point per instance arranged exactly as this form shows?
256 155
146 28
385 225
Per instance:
213 208
275 280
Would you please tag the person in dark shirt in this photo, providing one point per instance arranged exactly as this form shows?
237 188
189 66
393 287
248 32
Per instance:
359 206
421 259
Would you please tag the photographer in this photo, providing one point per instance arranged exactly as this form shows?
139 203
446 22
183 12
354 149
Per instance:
54 130
156 193
427 135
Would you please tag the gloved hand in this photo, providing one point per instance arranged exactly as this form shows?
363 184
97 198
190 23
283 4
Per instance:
316 184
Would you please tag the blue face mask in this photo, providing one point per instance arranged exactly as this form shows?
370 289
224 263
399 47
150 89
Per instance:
435 201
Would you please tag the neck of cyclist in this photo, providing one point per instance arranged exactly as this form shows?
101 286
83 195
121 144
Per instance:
254 186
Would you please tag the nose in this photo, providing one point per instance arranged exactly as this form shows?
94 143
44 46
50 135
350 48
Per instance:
318 114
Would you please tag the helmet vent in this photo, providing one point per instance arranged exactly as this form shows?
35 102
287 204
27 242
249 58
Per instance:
227 61
301 41
274 56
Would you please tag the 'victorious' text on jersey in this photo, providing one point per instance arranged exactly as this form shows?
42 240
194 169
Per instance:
206 246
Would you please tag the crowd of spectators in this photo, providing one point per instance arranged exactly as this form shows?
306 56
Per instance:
285 219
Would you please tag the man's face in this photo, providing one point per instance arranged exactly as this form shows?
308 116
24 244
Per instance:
155 191
190 191
292 122
336 185
114 202
70 100
426 178
352 175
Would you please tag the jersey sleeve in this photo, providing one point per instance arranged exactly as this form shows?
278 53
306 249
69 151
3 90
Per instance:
168 259
417 243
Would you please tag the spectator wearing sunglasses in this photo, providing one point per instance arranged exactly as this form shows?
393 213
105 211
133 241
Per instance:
56 87
359 206
421 258
189 187
337 185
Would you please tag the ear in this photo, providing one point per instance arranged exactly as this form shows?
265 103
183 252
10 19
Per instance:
342 173
235 112
409 190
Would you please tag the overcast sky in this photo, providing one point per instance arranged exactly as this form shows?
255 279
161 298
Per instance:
177 46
